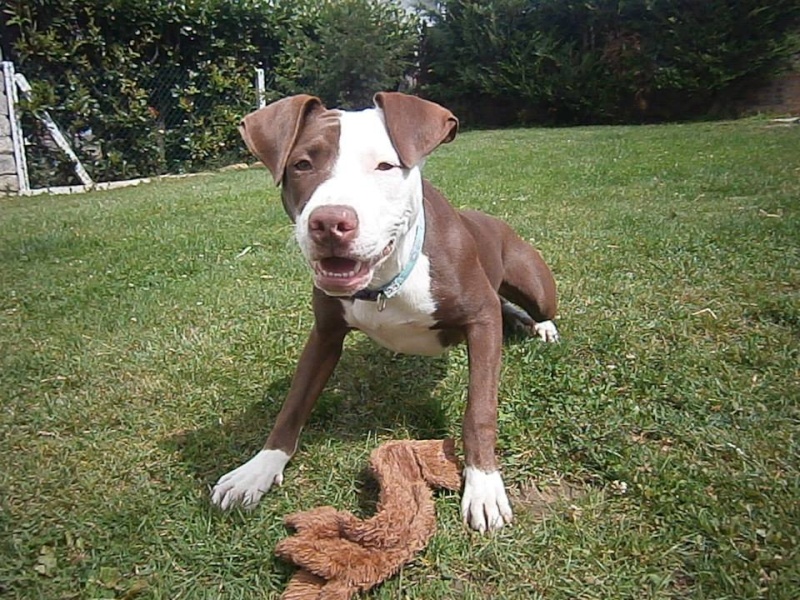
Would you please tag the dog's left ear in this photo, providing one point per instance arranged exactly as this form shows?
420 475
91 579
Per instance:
416 126
270 132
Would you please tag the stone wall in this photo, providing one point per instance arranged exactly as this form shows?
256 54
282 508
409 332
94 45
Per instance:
9 183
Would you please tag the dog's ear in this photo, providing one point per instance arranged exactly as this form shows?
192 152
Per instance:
270 132
416 126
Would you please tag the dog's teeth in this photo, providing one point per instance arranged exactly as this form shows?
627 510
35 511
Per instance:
338 274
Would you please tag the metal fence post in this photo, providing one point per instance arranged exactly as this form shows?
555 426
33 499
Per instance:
261 88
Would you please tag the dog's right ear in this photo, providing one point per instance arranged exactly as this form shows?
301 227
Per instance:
270 132
416 126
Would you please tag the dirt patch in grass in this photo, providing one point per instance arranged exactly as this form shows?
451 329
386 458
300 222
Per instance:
542 500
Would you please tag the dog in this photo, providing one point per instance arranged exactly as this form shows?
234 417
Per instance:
389 256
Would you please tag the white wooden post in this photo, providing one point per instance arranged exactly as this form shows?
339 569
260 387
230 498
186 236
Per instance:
17 140
55 133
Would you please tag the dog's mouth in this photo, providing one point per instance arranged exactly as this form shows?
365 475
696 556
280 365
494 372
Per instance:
343 275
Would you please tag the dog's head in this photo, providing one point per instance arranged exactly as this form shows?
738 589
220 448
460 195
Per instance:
351 181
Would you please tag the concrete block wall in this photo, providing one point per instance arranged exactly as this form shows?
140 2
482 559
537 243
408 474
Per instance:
9 183
779 97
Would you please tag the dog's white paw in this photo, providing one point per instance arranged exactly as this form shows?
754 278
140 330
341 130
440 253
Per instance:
245 485
546 330
484 505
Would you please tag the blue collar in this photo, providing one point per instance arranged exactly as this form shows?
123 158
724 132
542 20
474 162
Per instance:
391 288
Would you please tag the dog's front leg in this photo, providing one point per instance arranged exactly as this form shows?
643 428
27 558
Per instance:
484 504
246 484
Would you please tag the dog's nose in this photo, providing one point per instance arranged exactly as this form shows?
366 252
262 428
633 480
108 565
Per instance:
333 223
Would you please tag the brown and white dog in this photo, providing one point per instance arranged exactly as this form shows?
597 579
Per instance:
392 258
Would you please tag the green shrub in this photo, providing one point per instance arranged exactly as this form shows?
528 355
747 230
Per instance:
152 86
604 60
115 74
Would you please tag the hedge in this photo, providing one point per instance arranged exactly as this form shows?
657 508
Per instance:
153 86
603 61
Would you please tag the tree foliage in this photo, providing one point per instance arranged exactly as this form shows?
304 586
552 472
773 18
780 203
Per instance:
567 61
346 50
152 86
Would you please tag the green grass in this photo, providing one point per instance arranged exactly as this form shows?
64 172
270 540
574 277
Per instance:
144 355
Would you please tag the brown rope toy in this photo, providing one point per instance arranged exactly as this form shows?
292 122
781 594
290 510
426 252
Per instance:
339 554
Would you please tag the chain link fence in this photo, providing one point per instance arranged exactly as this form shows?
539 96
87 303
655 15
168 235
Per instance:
169 120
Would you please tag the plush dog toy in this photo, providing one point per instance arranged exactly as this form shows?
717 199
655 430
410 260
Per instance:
339 554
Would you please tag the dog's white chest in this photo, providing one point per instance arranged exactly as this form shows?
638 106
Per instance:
404 324
395 327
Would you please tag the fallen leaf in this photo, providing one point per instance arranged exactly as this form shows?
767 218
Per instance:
47 562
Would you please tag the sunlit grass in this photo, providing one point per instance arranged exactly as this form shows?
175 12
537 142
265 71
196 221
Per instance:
148 337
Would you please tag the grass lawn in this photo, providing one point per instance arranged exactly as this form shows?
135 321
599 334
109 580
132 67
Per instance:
147 338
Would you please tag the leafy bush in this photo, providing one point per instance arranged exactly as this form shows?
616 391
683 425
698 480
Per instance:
153 86
113 74
604 60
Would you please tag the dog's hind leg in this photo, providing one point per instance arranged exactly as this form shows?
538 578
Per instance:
516 322
518 272
529 285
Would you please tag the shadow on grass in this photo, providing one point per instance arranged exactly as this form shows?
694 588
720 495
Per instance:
372 390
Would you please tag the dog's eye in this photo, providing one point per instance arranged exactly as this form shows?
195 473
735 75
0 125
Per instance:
303 165
385 166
